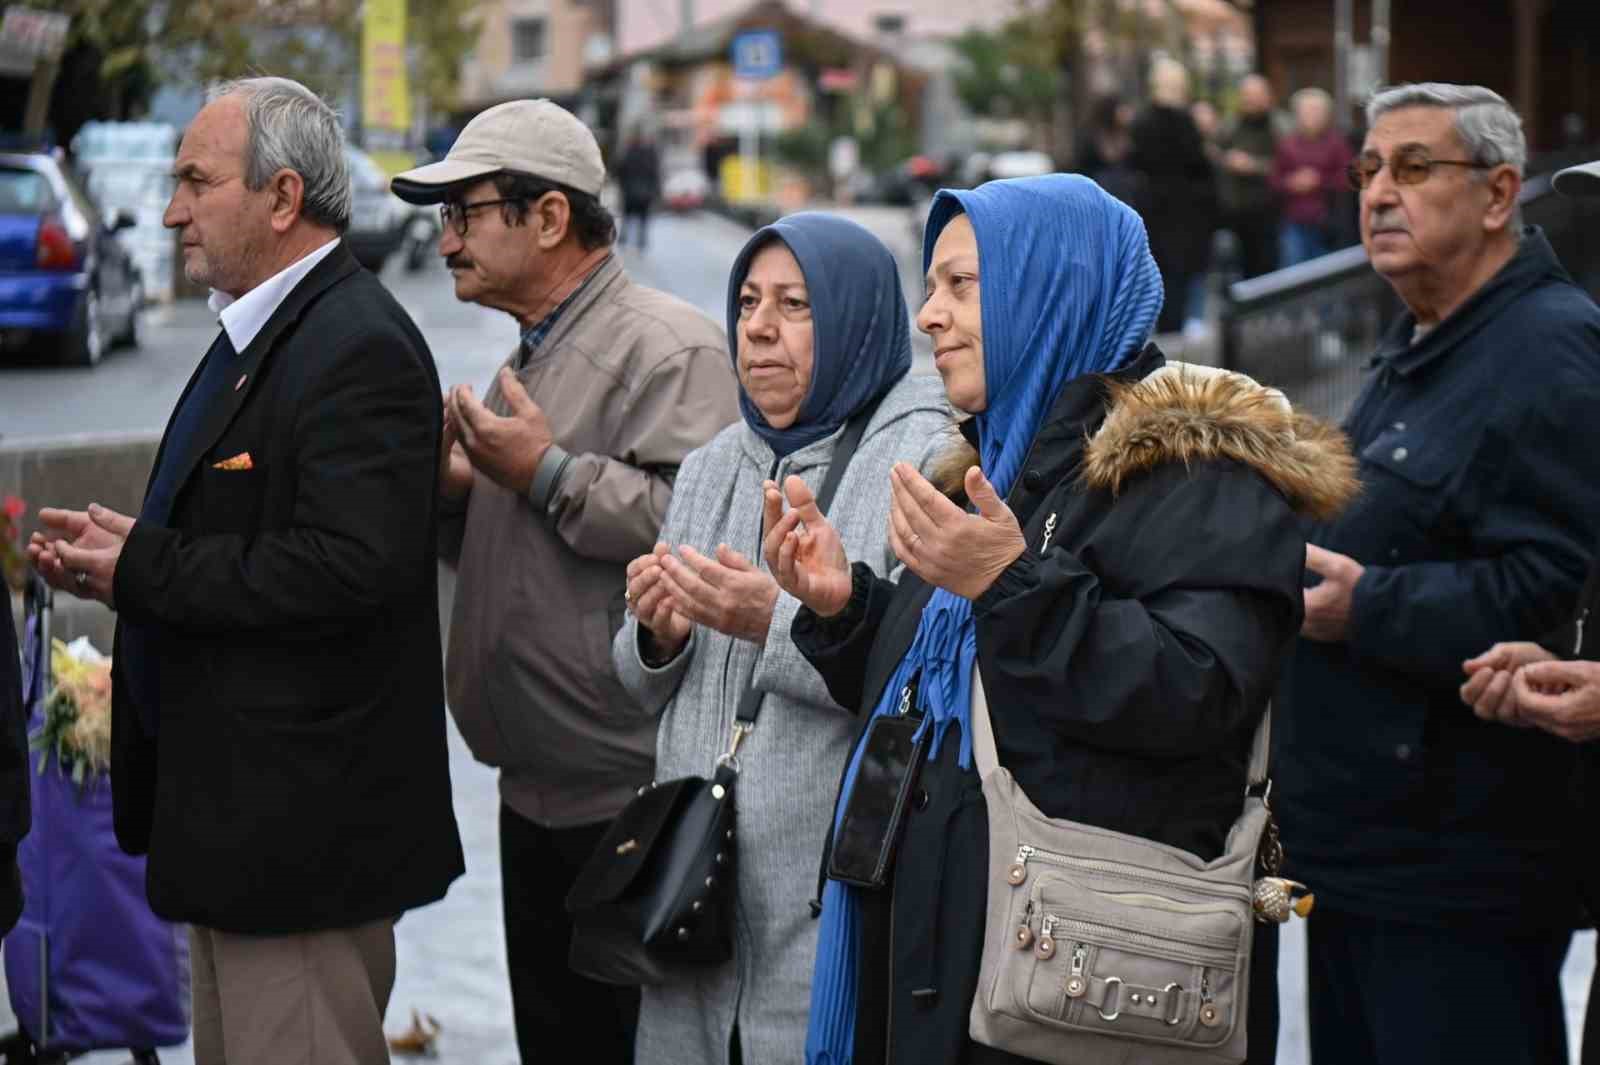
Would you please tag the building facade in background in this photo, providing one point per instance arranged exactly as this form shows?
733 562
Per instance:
1542 55
532 48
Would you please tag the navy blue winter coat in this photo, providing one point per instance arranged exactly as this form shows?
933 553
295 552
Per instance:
1479 449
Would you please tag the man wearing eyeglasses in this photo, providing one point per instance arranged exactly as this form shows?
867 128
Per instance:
1436 841
1554 685
550 484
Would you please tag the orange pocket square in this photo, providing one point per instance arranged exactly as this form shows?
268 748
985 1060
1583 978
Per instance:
241 461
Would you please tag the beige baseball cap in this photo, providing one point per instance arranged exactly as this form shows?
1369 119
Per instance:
1581 180
534 137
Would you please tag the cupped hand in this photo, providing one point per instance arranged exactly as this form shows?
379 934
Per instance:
727 593
86 544
650 600
946 546
507 449
455 468
803 549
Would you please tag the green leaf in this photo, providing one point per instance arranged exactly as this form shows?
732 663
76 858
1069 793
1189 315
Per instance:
120 59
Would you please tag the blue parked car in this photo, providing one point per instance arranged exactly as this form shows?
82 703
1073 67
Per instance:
65 278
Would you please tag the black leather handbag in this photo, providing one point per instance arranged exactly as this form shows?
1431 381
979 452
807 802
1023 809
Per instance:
658 891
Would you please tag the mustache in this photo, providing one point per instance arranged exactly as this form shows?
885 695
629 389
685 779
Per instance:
458 262
1387 220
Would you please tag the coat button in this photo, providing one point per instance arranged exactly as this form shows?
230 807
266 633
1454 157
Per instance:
920 799
1033 480
1394 552
1399 427
1399 454
1403 752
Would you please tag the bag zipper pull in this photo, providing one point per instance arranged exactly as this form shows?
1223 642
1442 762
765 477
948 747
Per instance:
1024 937
1077 986
1209 1014
1049 531
1019 869
1046 947
908 695
1577 644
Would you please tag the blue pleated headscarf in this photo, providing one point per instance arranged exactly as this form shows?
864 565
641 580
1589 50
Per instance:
1067 287
861 332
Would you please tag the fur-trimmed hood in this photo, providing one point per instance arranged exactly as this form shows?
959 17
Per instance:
1186 413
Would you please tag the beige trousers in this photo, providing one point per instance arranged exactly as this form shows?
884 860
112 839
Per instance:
316 998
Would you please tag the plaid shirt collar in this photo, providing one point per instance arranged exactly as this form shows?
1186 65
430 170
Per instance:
536 334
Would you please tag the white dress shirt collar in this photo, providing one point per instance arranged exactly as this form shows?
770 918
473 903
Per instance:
244 317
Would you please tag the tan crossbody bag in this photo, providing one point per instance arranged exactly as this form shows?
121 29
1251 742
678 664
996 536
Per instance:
1107 949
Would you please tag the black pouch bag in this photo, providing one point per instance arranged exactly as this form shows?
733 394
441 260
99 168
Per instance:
659 889
874 816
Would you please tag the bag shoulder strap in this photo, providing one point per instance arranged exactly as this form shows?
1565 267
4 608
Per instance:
983 750
988 759
1261 751
844 449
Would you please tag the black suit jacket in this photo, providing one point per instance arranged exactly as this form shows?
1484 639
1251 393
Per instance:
298 779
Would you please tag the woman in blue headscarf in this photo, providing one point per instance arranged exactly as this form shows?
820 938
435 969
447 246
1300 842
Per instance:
1114 542
820 333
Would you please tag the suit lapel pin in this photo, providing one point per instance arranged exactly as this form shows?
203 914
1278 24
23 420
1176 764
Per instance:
240 383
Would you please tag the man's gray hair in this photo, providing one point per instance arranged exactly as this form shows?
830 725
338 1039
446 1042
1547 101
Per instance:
1490 130
291 128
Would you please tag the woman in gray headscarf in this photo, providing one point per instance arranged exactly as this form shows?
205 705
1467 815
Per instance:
820 332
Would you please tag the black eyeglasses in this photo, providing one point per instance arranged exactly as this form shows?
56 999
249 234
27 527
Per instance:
456 215
1408 166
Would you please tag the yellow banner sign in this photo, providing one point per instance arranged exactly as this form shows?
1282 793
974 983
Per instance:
385 94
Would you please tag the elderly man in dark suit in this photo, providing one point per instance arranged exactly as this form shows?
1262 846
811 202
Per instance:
1554 685
278 716
1430 836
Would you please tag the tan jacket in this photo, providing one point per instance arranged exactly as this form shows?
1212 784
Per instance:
632 380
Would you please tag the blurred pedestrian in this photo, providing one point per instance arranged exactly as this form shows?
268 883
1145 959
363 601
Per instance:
1248 144
1208 122
278 732
14 798
1439 844
1177 197
552 482
822 334
1554 685
639 174
1128 589
1104 146
1308 174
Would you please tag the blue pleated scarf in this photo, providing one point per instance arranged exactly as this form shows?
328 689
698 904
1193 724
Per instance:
1068 288
861 331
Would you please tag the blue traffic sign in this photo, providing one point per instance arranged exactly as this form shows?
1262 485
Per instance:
757 54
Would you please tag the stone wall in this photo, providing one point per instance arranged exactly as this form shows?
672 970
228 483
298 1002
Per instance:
74 471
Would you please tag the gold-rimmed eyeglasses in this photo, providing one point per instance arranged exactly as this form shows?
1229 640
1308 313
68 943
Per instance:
457 215
1408 166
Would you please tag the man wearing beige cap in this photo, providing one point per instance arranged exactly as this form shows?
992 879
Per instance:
550 484
1554 685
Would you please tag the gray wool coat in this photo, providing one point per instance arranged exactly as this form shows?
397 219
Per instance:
790 764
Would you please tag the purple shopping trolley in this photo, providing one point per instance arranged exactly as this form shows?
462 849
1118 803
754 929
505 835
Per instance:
89 966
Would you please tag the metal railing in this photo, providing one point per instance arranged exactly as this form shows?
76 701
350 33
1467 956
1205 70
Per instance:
1312 329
